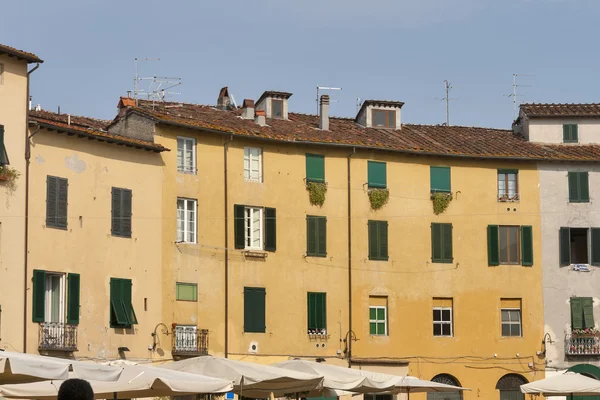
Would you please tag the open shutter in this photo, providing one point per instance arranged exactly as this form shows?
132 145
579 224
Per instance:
311 235
51 197
238 226
584 187
527 245
118 316
39 295
373 240
383 240
315 168
3 153
126 289
595 246
447 243
587 304
436 242
62 203
576 313
116 212
322 236
73 299
493 245
126 212
565 246
270 229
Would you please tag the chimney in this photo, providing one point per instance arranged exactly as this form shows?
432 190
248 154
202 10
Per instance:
124 104
38 107
260 118
223 100
324 113
248 109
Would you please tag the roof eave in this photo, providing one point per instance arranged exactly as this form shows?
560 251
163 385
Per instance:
20 56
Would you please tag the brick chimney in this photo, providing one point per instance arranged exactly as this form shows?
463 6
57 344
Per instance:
223 100
324 113
124 104
248 109
260 118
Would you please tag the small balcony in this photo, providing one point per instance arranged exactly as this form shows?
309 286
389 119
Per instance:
189 341
57 336
582 344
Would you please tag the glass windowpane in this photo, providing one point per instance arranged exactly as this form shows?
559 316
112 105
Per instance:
380 328
379 118
437 315
381 314
505 330
373 328
372 313
446 329
446 315
437 329
505 315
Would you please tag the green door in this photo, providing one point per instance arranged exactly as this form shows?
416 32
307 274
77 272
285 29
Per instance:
591 371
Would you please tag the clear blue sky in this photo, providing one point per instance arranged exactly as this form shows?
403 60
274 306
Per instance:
377 49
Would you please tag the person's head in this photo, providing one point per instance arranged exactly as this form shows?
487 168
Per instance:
75 389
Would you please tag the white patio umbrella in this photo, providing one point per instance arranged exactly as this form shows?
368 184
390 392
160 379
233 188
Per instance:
410 384
568 383
135 382
250 379
21 368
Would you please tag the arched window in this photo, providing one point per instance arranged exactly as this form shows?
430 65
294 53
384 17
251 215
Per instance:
448 380
591 371
510 387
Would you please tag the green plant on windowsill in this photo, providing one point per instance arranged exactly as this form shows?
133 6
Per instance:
440 201
316 192
378 198
9 175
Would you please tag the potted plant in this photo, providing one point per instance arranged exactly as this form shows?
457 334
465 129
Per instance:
9 175
587 332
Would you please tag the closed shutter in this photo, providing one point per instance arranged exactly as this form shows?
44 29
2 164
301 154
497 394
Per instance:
584 187
254 309
565 246
62 203
383 240
566 134
579 188
373 240
573 187
527 245
378 240
447 242
595 239
126 210
317 310
315 168
3 153
39 295
270 229
116 212
51 198
575 133
311 235
493 245
73 299
377 174
439 179
322 236
576 313
587 304
436 242
238 226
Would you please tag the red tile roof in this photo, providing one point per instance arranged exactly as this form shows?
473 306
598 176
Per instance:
89 127
459 141
126 102
11 51
561 110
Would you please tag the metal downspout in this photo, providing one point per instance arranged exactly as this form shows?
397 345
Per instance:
349 339
226 201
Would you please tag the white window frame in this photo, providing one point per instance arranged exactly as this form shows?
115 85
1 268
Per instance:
520 322
188 205
249 158
249 238
48 298
187 142
378 321
441 322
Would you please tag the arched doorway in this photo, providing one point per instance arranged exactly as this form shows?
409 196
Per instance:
510 387
448 380
591 371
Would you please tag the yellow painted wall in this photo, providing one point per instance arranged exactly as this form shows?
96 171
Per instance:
13 108
87 246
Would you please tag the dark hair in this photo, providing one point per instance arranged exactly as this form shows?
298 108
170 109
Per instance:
75 389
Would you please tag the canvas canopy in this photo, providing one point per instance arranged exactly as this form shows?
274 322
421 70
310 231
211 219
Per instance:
250 379
134 382
410 384
563 385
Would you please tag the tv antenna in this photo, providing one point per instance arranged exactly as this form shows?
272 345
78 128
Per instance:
358 104
447 99
320 88
158 87
515 95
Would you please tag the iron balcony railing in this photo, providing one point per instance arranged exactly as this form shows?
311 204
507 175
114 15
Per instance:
582 345
57 336
189 341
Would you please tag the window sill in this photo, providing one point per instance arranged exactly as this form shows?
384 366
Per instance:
121 236
378 259
57 227
578 201
188 243
443 336
253 180
256 254
442 261
370 187
317 255
181 171
509 200
378 335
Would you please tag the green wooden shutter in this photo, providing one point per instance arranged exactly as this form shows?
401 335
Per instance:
587 304
373 245
238 226
254 309
576 313
378 240
311 235
575 133
3 153
493 245
527 245
584 187
311 310
62 203
377 174
51 198
439 179
73 299
126 210
116 211
436 242
39 295
447 243
126 289
573 187
322 236
322 310
595 239
315 168
383 240
270 229
566 134
565 246
118 315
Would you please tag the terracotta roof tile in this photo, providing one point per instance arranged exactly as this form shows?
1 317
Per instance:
561 110
29 57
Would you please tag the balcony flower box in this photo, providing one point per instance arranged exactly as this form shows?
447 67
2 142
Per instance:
585 333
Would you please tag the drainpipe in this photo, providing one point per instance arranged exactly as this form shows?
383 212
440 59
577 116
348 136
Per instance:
226 195
26 245
349 339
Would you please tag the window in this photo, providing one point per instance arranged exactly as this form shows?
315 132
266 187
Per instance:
186 291
121 212
441 243
255 228
56 202
447 380
122 314
50 292
254 309
384 118
579 189
439 179
186 338
508 185
315 168
510 245
253 164
511 317
442 317
582 312
186 155
277 108
186 220
316 236
575 248
378 316
378 240
317 313
3 154
377 175
510 387
570 134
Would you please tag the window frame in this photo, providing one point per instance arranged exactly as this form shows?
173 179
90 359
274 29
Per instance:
568 136
520 323
387 113
508 228
179 284
441 322
248 156
578 177
377 321
186 221
193 170
506 196
248 228
278 101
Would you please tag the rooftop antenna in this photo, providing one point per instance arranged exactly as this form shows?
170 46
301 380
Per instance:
159 85
233 100
447 99
319 88
358 104
514 94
